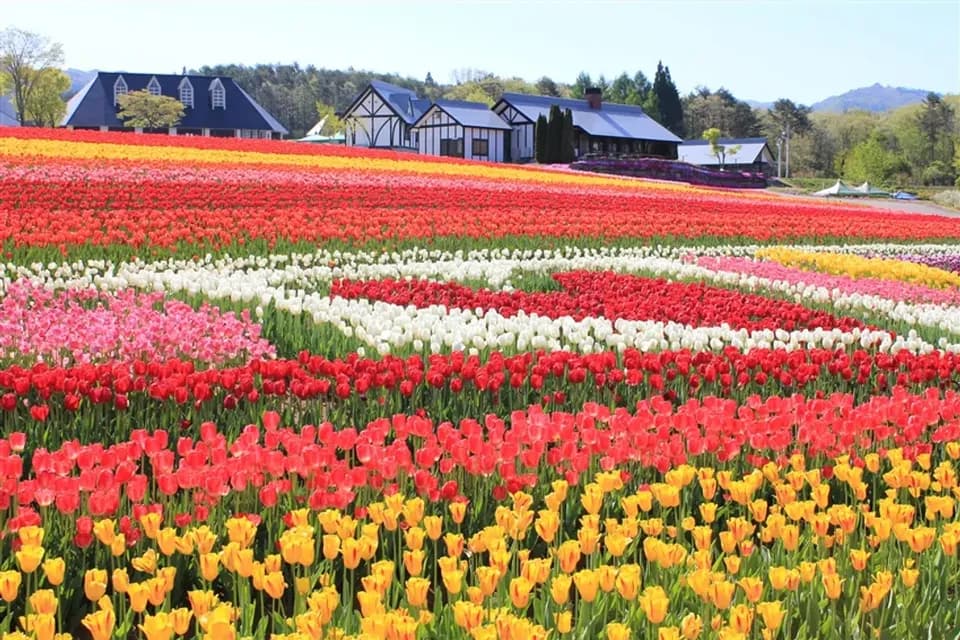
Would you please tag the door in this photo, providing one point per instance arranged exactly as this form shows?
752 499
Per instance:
507 156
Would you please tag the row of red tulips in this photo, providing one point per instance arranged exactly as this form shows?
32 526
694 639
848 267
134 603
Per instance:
109 400
611 295
323 467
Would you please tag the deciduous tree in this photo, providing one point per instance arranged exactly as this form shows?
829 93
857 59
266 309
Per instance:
332 125
22 56
719 151
143 109
45 107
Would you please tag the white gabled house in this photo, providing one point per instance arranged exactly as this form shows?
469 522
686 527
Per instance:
461 130
382 116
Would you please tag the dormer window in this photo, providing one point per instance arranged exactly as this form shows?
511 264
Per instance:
119 89
218 95
186 93
153 88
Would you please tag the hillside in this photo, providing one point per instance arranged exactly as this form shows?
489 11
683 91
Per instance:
876 98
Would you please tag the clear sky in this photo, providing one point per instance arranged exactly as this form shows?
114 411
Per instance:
805 50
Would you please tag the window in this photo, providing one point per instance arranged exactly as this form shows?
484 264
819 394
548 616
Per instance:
154 86
186 93
452 147
480 147
119 89
218 96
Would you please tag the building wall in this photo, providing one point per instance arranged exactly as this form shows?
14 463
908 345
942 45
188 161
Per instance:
494 138
372 123
522 137
438 126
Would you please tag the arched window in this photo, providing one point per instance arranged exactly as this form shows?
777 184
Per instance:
119 89
154 86
186 93
218 95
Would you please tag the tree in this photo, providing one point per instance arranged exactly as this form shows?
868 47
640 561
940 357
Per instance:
579 87
145 110
935 121
874 161
22 56
719 151
668 100
567 154
540 135
45 107
547 87
554 134
703 109
332 125
790 118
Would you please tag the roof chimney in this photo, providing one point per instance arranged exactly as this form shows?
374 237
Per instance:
593 96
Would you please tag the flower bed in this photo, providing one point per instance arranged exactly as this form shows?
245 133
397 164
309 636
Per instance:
533 405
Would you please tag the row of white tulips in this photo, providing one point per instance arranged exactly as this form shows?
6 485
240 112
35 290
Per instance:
292 282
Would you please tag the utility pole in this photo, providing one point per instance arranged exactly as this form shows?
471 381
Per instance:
788 149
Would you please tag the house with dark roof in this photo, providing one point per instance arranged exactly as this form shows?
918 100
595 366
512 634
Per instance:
382 116
599 127
461 130
753 154
213 105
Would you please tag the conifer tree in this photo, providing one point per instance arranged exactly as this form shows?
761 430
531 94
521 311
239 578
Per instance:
540 134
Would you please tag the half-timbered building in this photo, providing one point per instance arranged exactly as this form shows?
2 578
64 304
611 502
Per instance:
382 116
599 127
461 130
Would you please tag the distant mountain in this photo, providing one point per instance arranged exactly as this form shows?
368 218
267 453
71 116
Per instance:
756 104
873 98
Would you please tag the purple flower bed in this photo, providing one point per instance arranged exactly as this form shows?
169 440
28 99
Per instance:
945 261
672 170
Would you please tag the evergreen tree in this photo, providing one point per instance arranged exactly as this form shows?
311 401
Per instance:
540 134
566 141
668 100
554 134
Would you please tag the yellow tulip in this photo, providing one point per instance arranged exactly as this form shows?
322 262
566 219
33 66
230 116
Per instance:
568 555
180 619
157 627
617 631
94 584
53 570
560 588
563 621
858 559
691 626
752 587
350 549
209 566
241 531
167 541
274 585
772 614
458 511
654 603
29 557
628 581
100 623
43 601
120 580
105 531
519 591
721 594
546 525
741 618
832 585
416 591
9 585
587 583
42 626
138 592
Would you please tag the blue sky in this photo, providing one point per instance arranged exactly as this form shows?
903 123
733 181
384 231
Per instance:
761 50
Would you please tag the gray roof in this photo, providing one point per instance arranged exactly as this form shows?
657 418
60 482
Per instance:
698 151
611 120
404 102
469 114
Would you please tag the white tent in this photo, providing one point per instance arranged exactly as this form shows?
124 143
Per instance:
839 189
868 189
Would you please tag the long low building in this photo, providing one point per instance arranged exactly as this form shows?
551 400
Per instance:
392 117
751 154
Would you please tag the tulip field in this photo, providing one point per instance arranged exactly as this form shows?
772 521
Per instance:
254 389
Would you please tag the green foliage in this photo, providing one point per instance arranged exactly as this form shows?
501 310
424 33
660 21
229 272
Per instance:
719 151
668 100
142 109
554 133
332 125
704 109
874 161
949 199
547 87
45 106
579 87
567 138
541 133
24 57
937 174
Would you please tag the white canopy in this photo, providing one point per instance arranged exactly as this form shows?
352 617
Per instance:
839 189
